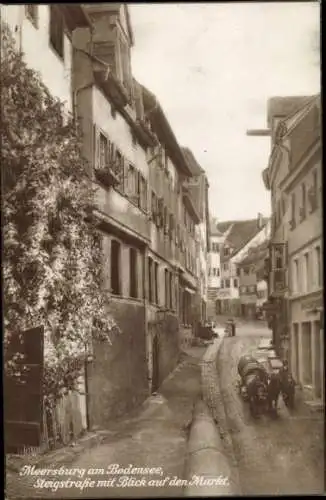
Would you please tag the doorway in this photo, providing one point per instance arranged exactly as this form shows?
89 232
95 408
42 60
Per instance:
156 371
317 361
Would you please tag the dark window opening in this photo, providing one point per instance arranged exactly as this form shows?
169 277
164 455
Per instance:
156 282
166 277
115 267
133 291
150 280
57 30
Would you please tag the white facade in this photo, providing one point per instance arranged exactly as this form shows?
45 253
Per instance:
214 262
202 264
262 292
229 283
33 39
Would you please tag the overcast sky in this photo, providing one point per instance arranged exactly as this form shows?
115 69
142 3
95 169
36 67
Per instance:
212 66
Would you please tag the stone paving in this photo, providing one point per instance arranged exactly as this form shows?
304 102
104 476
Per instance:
154 436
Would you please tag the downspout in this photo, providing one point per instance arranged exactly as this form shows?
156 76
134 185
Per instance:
145 302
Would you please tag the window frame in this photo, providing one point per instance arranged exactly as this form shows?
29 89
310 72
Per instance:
133 274
117 267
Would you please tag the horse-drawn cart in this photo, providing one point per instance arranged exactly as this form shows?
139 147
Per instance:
250 370
262 379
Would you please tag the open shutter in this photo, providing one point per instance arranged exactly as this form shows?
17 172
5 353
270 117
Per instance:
138 188
96 147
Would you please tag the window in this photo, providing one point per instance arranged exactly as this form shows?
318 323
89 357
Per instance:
117 165
133 184
306 272
31 11
318 271
214 271
243 289
142 192
150 280
226 251
235 283
166 281
227 283
218 272
171 290
57 30
238 271
154 205
225 266
295 280
293 221
303 202
103 154
115 267
312 193
215 247
246 270
133 285
252 288
156 283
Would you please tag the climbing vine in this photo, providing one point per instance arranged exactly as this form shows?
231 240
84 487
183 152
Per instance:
52 252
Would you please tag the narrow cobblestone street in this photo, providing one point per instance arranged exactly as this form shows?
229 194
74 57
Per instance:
154 435
281 456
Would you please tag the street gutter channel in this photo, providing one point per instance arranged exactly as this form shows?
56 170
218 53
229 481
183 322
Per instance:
213 398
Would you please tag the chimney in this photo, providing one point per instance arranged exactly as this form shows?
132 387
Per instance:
260 220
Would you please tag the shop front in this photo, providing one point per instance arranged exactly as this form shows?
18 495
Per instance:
307 343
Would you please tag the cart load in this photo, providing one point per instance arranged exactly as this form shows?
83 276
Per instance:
248 369
249 365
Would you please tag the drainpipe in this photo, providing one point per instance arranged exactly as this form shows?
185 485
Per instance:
145 302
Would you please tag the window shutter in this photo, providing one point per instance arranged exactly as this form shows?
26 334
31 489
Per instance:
96 147
139 188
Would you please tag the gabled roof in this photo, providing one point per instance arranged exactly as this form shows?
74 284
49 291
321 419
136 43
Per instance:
241 232
284 106
155 113
194 166
213 228
292 120
255 254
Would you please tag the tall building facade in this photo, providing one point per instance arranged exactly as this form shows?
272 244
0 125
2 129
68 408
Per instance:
151 205
296 285
238 236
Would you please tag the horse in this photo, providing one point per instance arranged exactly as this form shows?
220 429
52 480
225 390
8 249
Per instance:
274 388
288 389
